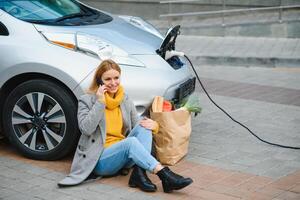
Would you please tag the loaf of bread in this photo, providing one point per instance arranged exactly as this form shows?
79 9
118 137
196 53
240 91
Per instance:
157 105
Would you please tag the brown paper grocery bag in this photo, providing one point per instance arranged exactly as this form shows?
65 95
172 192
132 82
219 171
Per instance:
172 140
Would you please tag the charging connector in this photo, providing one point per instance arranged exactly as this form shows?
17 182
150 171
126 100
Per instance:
170 54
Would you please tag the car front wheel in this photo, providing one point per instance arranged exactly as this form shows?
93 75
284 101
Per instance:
39 118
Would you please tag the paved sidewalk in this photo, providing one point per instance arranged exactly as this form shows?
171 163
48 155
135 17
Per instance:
224 160
241 51
267 100
23 179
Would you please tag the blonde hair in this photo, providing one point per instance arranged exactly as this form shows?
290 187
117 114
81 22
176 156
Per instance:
105 65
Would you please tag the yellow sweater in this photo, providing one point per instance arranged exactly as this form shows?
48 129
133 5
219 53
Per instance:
114 124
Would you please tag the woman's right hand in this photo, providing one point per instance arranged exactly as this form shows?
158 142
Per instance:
100 93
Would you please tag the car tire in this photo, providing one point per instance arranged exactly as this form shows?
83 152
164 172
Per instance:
39 118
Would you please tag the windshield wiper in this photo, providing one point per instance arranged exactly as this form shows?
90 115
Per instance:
37 21
74 15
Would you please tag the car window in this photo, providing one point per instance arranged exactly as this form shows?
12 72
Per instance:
53 12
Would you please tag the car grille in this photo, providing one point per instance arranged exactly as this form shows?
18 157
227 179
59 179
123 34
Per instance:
185 89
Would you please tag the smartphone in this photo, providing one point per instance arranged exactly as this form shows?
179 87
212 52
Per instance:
99 81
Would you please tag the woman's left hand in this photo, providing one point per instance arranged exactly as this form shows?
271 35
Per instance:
148 123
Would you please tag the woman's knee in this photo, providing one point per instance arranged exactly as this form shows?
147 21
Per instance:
131 141
144 130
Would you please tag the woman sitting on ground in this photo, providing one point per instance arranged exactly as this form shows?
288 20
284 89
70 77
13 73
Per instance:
114 137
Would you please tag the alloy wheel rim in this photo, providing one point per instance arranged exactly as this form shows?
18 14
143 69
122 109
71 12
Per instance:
39 122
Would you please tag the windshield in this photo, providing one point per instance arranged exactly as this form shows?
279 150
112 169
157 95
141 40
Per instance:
55 12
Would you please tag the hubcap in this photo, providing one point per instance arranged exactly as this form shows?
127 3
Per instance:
39 121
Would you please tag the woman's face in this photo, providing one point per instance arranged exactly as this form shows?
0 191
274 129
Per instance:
111 80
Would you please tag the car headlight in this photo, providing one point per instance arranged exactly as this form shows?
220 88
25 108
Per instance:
91 44
142 24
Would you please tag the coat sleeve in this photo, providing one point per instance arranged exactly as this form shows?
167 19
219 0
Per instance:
89 117
135 118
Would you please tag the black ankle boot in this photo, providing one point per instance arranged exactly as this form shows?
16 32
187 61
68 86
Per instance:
171 181
140 179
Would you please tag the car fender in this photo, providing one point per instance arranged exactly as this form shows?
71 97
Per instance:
43 69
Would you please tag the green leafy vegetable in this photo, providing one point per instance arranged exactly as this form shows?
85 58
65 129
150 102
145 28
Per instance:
192 104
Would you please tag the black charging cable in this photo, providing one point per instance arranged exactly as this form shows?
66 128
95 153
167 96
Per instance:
279 145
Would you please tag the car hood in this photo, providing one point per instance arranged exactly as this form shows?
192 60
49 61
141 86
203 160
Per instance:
118 32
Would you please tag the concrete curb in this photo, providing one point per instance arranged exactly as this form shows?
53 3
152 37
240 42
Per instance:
246 61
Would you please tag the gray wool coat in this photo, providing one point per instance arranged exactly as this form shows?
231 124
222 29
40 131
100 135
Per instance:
91 122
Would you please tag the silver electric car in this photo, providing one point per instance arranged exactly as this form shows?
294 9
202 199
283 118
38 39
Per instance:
49 50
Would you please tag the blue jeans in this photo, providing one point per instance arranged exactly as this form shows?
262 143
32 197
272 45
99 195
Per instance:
134 149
